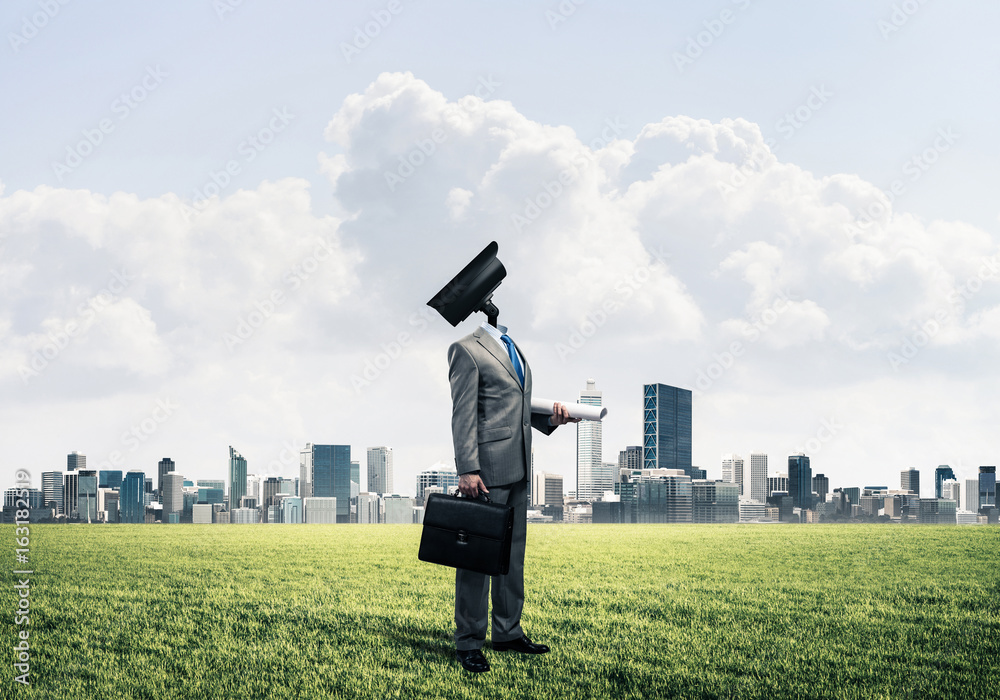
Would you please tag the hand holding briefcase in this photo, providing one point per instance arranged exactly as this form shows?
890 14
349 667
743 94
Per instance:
466 533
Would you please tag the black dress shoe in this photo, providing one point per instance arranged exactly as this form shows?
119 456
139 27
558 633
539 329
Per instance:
523 645
473 660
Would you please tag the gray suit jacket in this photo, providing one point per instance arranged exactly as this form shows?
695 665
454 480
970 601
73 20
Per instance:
491 417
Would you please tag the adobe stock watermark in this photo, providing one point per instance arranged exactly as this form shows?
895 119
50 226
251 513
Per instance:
725 360
121 108
292 280
699 43
549 192
365 33
426 147
787 126
225 7
612 302
33 24
562 12
86 313
901 14
919 338
913 169
217 181
391 350
140 431
828 429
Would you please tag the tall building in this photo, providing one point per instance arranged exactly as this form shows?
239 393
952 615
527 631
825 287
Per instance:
369 508
237 478
439 475
271 489
75 461
291 510
547 489
909 480
758 477
130 498
971 500
52 490
800 481
778 482
952 491
666 427
87 495
987 487
821 485
942 474
732 470
380 470
173 495
305 471
589 450
71 503
165 466
355 476
109 479
331 477
630 458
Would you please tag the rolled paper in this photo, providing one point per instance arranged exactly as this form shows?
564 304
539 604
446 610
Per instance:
576 410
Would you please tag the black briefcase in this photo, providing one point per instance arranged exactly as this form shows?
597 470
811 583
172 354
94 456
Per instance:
467 534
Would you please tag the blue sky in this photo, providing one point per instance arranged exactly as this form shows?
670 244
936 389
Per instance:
877 83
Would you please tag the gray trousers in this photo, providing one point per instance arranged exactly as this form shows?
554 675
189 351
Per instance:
472 589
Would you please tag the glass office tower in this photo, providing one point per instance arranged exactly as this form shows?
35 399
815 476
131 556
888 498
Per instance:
666 428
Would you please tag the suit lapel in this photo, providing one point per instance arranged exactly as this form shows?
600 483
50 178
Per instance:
494 348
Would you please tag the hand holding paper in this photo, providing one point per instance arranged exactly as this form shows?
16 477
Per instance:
576 410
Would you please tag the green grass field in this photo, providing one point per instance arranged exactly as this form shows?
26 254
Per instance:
648 611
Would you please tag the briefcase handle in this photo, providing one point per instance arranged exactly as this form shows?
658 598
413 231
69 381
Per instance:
459 494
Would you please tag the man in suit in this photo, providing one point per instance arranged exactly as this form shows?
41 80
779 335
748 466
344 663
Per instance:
491 426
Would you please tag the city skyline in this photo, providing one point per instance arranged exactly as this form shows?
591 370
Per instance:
794 219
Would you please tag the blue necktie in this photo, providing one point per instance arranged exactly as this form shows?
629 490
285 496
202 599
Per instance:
513 356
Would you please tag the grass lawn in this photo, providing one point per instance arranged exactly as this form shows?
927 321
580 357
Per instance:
630 611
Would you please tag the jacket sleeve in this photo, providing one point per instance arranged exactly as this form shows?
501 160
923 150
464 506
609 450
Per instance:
463 373
540 421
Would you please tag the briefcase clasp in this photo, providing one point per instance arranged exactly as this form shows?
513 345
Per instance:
463 537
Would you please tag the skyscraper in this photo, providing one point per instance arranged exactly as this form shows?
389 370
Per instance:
942 474
821 485
52 490
439 475
109 479
130 498
237 478
666 427
971 501
909 480
87 494
630 457
548 489
380 470
732 470
800 481
305 471
589 449
758 477
987 487
331 476
173 496
165 466
71 504
75 461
